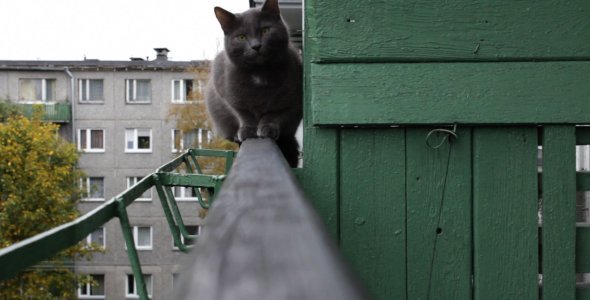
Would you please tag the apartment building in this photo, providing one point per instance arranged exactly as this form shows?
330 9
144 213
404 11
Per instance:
117 113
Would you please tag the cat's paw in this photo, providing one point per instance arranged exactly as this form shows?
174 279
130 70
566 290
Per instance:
246 132
269 131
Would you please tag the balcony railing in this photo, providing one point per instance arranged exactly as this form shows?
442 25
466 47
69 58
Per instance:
52 112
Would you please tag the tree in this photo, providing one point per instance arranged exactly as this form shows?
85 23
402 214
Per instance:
38 188
193 115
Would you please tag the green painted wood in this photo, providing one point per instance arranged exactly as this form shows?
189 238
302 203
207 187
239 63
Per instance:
439 241
559 212
440 30
505 213
583 249
373 208
583 135
583 181
443 93
583 294
320 167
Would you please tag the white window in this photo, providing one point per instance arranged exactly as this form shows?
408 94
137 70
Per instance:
94 289
182 140
138 91
97 237
90 90
131 290
142 235
193 230
92 188
36 90
185 90
146 196
138 140
182 193
91 140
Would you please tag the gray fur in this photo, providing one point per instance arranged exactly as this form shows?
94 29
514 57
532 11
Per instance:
255 88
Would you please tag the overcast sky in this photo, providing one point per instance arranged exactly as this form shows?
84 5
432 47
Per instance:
110 29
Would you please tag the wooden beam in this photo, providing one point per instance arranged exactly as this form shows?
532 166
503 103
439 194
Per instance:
448 93
262 239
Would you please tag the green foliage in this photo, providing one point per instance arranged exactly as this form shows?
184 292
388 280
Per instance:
8 109
38 188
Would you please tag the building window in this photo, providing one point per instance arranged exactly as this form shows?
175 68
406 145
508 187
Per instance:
182 193
185 90
90 90
91 140
131 289
138 91
92 188
37 90
182 140
192 230
142 235
93 289
146 196
97 238
138 140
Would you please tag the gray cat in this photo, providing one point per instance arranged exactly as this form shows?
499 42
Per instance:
255 88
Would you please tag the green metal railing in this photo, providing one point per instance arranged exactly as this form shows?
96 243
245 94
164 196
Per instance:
52 112
26 253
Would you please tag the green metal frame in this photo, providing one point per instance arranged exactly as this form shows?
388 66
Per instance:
26 253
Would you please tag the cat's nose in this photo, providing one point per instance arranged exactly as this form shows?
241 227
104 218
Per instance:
256 47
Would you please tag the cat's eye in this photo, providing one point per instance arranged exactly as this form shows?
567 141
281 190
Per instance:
242 37
265 30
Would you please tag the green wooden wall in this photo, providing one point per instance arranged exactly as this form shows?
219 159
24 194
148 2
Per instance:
459 221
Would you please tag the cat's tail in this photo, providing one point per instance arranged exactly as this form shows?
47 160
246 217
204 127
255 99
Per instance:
290 149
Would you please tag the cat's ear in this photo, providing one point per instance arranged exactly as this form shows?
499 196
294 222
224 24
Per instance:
225 18
271 6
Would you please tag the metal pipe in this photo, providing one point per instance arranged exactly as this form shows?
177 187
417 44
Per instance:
72 100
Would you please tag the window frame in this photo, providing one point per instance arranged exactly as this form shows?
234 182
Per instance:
43 91
131 91
131 181
136 238
88 287
88 239
135 148
88 192
135 294
88 137
86 82
182 88
199 132
183 198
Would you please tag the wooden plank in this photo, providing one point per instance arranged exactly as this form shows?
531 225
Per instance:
583 294
262 239
583 135
559 212
505 213
583 181
438 216
447 93
583 249
320 167
373 208
440 30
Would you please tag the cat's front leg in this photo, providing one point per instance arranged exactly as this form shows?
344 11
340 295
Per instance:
269 130
248 126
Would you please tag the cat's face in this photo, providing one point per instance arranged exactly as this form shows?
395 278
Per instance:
255 37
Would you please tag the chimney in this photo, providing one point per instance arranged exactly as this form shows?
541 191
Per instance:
162 53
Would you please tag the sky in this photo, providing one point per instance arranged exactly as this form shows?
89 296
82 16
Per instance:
111 29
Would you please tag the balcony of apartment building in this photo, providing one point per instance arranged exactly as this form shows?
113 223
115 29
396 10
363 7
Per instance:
39 94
